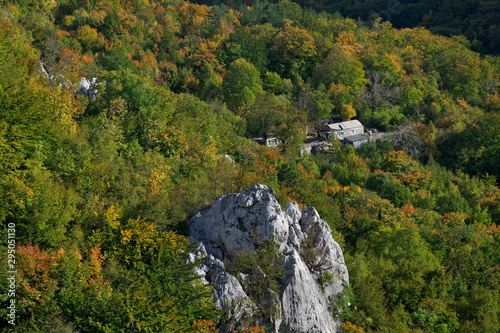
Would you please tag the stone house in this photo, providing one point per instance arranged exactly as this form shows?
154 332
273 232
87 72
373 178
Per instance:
341 130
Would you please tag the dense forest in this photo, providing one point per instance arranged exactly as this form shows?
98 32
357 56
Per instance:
96 188
477 20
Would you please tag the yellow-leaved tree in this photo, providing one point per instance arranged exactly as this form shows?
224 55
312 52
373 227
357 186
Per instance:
347 112
160 291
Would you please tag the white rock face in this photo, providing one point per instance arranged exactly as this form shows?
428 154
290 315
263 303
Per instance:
227 291
88 88
304 304
236 223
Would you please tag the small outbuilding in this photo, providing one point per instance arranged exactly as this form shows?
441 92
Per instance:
356 140
270 141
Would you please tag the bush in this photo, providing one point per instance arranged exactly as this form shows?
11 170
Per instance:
265 268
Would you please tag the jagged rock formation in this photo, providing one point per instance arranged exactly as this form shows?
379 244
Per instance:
238 223
88 88
228 292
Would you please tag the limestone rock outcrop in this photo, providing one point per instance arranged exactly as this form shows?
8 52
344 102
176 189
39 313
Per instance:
228 293
238 223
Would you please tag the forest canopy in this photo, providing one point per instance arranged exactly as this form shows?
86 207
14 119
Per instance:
118 119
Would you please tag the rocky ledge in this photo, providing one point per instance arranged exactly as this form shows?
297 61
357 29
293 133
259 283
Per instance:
314 268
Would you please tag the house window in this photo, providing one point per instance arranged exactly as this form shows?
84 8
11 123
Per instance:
341 134
269 143
352 131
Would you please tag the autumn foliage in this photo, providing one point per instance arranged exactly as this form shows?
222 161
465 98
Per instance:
100 180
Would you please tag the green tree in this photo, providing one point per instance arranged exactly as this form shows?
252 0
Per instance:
265 267
388 188
272 83
241 84
343 70
289 126
262 115
476 149
294 51
243 44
